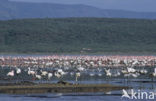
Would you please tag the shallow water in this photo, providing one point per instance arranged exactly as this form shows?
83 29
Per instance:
136 84
114 96
69 97
108 96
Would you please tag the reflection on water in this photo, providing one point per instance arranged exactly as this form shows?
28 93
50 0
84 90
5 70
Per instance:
109 96
139 78
136 83
61 98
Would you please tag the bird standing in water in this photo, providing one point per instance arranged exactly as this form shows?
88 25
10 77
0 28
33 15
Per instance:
77 75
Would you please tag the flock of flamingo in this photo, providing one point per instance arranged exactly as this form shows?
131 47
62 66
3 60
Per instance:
59 66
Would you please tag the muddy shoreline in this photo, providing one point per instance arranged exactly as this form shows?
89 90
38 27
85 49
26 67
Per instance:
57 88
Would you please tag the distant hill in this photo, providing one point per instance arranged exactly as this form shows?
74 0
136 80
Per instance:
77 35
16 10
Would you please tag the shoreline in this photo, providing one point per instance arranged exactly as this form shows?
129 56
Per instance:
85 54
59 88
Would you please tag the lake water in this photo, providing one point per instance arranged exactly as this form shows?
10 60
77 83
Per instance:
108 96
66 97
142 83
76 97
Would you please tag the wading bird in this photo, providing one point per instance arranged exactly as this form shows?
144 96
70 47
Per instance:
50 76
11 73
77 75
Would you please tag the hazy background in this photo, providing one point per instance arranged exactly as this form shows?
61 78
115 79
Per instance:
106 28
133 5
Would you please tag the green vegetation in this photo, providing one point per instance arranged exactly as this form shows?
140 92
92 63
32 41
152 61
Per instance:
72 35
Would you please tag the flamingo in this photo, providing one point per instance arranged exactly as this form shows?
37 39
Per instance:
18 70
135 75
44 73
11 73
108 73
57 74
81 69
38 76
31 72
131 70
61 72
49 76
143 71
154 73
77 75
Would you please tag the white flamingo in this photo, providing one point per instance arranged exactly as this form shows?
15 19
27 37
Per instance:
18 70
77 75
108 73
135 75
81 69
143 71
11 73
57 74
44 73
131 70
31 72
49 76
154 73
38 77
